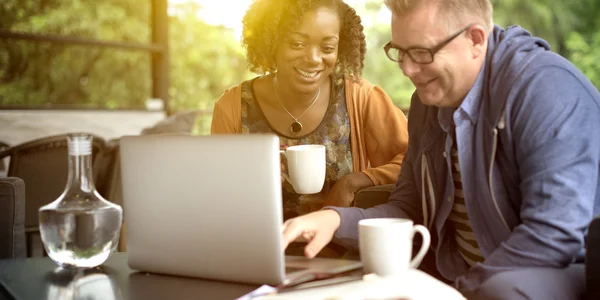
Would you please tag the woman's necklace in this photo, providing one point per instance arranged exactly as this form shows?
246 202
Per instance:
296 126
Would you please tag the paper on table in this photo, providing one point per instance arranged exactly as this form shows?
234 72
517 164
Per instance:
261 291
414 285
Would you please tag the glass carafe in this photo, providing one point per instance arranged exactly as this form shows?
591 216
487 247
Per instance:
80 228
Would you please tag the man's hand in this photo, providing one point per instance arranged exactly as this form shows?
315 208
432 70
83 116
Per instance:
343 191
317 228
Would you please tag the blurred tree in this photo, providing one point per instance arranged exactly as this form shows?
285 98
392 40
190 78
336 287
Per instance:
583 43
205 60
384 72
585 54
51 74
378 68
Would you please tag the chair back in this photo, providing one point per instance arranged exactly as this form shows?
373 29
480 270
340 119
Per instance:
43 165
12 218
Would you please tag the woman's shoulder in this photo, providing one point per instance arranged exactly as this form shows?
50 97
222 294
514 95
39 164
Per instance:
361 89
232 96
358 83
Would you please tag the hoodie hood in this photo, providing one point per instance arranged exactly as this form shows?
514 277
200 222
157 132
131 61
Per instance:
509 52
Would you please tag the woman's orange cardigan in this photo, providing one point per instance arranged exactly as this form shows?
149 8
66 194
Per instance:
378 129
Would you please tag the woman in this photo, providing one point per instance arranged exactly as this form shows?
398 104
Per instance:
310 56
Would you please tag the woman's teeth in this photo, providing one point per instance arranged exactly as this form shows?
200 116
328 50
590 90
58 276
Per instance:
307 74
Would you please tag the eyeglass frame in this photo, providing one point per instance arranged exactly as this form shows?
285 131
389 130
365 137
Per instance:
432 51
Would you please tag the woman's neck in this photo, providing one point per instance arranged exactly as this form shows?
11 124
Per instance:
291 99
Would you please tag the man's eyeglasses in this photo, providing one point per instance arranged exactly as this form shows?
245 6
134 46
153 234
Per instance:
418 55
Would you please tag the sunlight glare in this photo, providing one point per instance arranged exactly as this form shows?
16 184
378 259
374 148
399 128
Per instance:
227 13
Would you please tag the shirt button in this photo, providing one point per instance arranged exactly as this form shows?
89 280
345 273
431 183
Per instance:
449 198
444 154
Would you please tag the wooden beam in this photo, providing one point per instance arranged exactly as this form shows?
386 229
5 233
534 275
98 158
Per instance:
153 48
160 60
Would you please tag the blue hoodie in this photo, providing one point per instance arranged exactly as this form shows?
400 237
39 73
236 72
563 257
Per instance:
528 135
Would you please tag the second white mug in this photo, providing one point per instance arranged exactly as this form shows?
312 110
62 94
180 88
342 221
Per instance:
386 245
306 168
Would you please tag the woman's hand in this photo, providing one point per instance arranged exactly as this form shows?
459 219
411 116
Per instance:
343 191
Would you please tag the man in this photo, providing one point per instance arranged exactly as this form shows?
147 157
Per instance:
503 158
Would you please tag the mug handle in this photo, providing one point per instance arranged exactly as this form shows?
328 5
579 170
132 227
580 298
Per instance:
283 174
424 246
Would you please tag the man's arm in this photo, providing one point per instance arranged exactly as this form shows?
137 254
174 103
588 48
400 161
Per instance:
557 146
404 203
319 228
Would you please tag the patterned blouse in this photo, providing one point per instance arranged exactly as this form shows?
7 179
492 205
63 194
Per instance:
333 132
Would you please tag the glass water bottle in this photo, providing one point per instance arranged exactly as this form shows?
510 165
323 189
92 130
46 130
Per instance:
80 228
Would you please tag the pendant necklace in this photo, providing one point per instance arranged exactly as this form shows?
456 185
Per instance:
296 126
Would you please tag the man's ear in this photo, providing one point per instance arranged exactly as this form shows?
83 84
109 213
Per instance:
477 35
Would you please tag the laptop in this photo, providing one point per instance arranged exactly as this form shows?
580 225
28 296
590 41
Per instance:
210 207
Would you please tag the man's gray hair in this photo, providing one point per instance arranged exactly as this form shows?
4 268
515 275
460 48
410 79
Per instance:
454 10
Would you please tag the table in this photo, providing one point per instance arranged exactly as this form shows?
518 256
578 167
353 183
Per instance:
40 279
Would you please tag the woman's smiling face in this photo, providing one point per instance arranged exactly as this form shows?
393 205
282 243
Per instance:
307 56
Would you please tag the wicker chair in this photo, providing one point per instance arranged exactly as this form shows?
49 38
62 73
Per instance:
43 165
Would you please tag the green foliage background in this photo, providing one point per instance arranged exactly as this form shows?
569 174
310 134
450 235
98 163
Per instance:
206 59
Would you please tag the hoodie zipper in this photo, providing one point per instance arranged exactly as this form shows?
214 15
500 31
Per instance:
425 176
426 180
501 125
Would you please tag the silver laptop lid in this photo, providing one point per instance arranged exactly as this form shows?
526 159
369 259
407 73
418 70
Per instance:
204 206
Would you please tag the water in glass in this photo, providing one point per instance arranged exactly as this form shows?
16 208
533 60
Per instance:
80 228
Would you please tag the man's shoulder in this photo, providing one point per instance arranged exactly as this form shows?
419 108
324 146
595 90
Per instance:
547 61
549 92
550 71
516 61
535 77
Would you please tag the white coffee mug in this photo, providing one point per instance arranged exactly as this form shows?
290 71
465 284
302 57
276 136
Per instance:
305 167
386 245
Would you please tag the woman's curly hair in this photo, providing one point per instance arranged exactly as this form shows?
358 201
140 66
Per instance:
267 22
